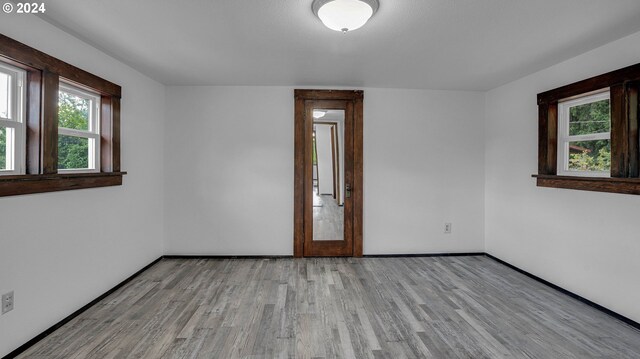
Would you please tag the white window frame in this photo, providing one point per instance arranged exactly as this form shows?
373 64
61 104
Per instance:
14 123
564 138
93 134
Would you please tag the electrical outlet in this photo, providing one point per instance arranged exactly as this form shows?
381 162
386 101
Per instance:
7 302
447 228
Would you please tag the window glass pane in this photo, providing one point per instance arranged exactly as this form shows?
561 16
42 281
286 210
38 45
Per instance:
589 118
5 82
3 148
73 111
590 155
73 152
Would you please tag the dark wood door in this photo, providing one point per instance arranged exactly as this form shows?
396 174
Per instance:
348 238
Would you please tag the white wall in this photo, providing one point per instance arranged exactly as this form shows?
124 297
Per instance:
59 251
423 166
585 242
229 171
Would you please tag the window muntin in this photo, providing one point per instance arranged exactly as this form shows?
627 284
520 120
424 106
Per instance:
12 124
584 135
78 130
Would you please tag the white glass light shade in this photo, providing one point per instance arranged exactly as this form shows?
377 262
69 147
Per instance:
345 15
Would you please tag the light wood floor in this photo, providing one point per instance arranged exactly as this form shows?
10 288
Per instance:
446 307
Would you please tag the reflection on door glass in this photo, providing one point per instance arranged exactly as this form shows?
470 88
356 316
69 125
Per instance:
328 175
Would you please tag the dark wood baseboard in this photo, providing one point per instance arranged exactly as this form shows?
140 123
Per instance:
53 328
399 255
71 316
597 306
198 256
462 254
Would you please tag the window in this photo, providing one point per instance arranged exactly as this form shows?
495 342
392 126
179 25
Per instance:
78 130
12 112
584 136
588 136
59 125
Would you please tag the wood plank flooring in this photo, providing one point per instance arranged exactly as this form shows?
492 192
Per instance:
439 307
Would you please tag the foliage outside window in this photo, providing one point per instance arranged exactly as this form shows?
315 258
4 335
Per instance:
3 148
584 136
78 130
314 155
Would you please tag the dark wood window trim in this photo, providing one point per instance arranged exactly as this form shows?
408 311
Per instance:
624 85
44 73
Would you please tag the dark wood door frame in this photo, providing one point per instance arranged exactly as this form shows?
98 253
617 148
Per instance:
354 100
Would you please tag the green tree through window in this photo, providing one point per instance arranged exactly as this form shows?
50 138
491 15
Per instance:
585 120
3 148
73 113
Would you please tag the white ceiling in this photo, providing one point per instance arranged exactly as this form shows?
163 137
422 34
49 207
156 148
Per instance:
433 44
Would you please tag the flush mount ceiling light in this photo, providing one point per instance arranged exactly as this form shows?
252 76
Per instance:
344 15
319 114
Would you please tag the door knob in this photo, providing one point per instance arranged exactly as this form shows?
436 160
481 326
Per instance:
348 191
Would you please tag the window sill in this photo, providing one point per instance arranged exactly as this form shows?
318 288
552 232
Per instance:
29 184
595 184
